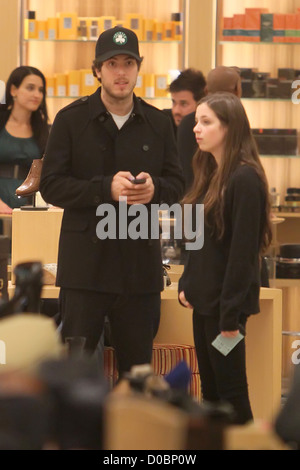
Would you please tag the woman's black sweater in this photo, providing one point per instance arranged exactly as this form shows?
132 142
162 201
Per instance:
223 278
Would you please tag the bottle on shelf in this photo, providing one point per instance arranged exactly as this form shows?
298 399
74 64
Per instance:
275 198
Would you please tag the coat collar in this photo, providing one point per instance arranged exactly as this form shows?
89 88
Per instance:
97 108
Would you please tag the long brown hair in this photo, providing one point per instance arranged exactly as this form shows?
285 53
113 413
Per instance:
210 180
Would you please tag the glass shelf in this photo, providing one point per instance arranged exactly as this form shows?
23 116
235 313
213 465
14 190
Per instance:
268 99
95 40
78 97
279 156
260 43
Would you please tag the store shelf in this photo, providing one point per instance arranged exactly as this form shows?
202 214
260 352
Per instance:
260 43
95 40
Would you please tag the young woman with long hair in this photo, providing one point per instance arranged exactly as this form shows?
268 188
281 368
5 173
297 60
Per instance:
23 131
221 281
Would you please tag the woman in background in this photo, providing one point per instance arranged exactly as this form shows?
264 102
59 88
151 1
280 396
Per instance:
221 281
23 132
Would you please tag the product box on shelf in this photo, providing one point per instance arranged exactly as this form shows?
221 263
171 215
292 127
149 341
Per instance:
139 89
50 86
148 29
52 28
177 26
60 84
106 22
135 22
42 29
67 26
88 83
73 83
161 84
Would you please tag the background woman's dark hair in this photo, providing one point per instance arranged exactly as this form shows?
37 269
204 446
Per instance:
39 118
210 180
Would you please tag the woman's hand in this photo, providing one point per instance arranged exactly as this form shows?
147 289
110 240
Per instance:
230 334
4 208
183 300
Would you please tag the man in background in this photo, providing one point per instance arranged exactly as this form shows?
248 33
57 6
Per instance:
186 90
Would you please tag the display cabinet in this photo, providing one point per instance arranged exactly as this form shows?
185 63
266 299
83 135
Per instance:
61 40
271 50
267 57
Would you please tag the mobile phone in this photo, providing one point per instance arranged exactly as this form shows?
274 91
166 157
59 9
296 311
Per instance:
138 180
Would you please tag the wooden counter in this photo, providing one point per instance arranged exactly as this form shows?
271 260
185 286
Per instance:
35 237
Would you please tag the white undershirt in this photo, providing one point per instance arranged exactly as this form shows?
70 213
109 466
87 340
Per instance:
120 120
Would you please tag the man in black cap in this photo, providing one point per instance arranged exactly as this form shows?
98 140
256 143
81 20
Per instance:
97 148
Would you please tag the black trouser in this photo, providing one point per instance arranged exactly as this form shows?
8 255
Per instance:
223 378
134 321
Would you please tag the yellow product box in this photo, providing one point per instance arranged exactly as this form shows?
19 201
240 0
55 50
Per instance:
161 84
158 30
60 84
177 26
52 28
106 22
93 28
41 29
149 85
67 25
73 83
50 86
135 22
167 31
88 83
140 85
148 30
30 29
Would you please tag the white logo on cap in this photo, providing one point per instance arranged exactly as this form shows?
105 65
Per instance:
120 38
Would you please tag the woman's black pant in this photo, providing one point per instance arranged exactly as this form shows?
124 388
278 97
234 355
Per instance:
223 378
133 319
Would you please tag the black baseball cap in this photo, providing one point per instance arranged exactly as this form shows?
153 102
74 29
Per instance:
117 40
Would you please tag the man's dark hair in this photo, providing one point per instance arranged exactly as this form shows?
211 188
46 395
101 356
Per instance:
189 79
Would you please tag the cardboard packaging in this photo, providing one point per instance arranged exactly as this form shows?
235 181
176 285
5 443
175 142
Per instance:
139 89
50 86
60 84
161 84
148 30
167 31
158 30
67 26
290 28
135 22
73 83
279 27
177 25
238 25
227 32
252 23
266 27
106 22
52 28
149 85
42 30
88 83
